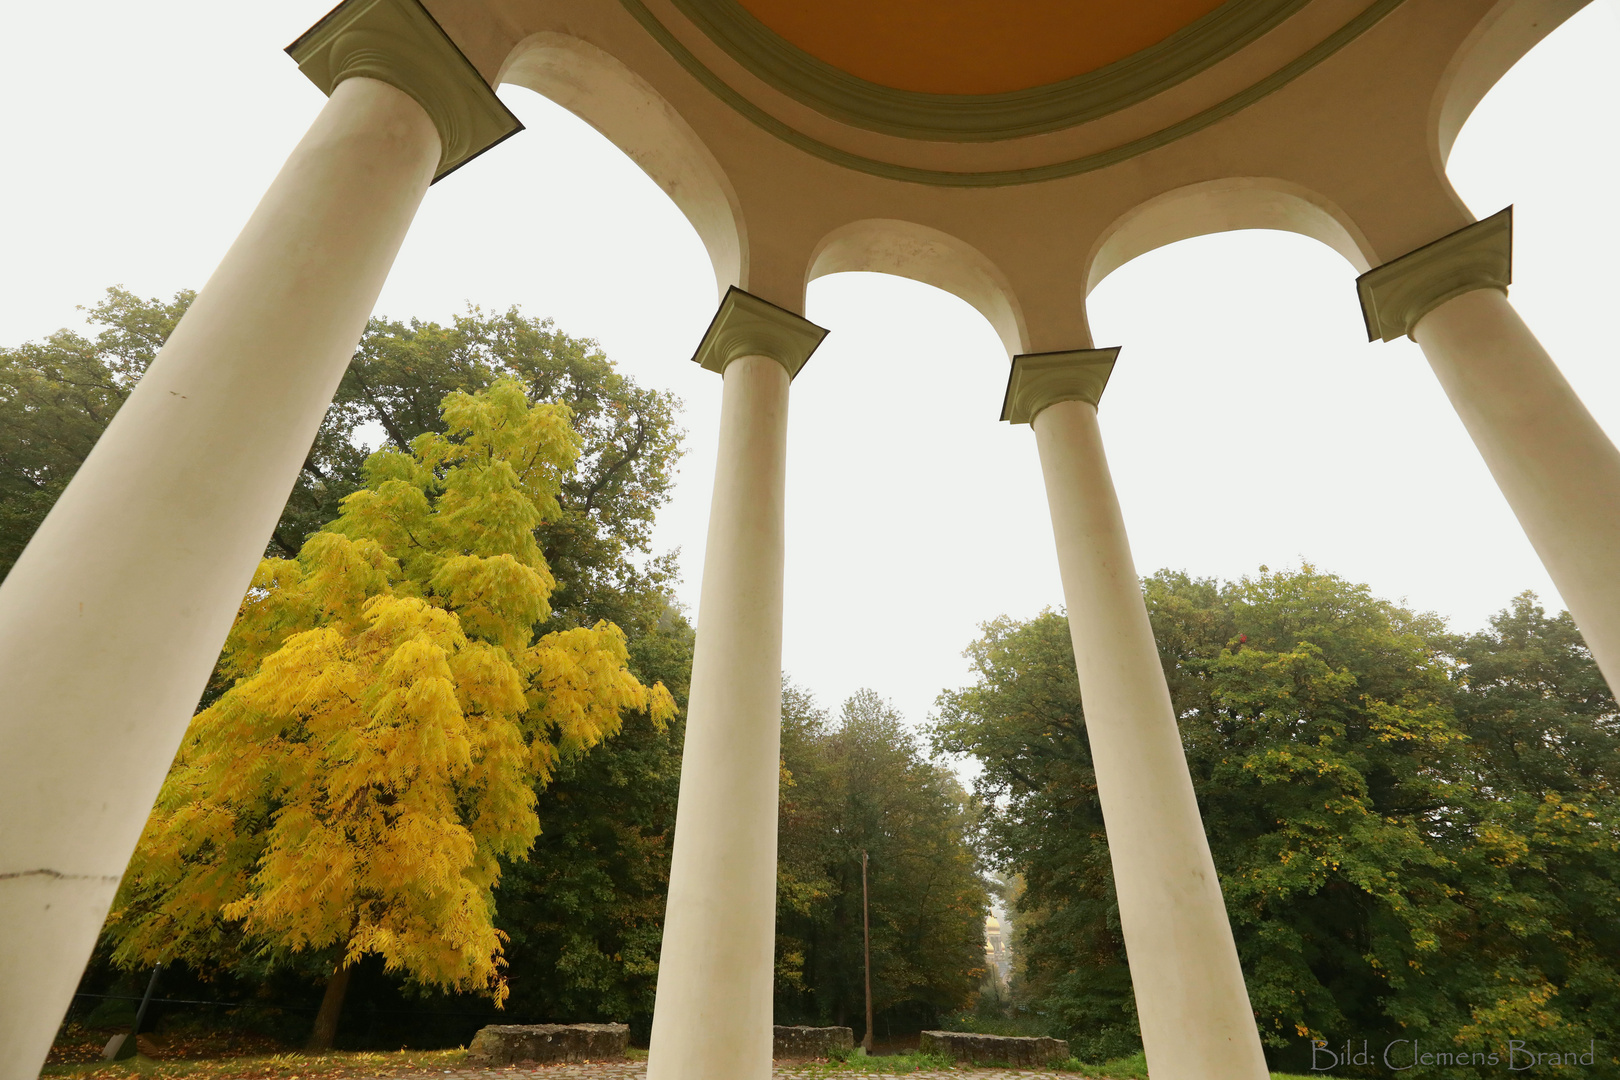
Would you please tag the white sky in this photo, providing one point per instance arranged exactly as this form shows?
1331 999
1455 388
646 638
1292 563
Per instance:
1248 420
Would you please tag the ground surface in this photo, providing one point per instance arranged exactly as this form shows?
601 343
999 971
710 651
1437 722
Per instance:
190 1060
286 1066
633 1070
451 1065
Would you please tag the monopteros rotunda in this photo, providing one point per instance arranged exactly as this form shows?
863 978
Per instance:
1013 153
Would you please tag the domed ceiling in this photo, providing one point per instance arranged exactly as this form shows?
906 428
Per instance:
977 70
974 46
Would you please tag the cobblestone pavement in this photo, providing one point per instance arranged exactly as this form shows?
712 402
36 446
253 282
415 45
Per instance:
636 1070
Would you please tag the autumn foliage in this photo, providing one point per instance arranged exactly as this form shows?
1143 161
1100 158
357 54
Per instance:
391 714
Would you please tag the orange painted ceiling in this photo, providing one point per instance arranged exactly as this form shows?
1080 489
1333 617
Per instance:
974 46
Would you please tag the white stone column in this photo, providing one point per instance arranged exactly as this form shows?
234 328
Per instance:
1190 995
1557 469
713 1016
112 618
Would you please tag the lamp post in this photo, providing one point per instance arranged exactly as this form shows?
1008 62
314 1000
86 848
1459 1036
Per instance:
866 930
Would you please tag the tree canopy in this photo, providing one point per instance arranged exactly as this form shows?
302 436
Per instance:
857 783
58 395
392 713
582 909
1417 833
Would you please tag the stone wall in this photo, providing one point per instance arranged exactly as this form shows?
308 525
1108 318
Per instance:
508 1044
810 1042
1020 1053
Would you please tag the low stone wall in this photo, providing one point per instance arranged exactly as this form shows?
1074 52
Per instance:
1020 1053
508 1044
810 1042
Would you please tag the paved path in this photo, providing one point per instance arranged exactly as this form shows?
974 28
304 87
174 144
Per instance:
637 1070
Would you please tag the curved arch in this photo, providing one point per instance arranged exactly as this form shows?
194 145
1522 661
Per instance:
1225 206
909 250
624 107
1501 39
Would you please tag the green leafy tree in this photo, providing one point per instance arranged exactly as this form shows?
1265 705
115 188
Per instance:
862 783
1022 721
1415 832
584 912
1538 852
56 398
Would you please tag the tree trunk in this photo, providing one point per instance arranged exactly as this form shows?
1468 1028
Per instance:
326 1021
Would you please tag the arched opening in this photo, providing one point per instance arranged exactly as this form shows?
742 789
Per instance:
1511 30
902 478
1226 206
906 249
913 514
634 117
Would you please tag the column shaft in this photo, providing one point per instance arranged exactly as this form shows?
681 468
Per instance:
111 620
1556 467
713 1015
1190 996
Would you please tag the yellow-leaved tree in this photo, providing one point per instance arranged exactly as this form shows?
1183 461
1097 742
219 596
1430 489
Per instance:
392 715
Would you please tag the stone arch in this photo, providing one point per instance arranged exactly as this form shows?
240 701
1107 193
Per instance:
624 107
1507 32
907 249
1225 206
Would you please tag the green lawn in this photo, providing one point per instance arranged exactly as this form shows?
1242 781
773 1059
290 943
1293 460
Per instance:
1129 1068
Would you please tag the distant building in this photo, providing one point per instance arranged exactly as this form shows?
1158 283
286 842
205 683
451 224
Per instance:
996 955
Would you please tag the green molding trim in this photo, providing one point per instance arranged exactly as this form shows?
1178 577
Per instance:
1369 17
983 117
1397 294
1041 379
745 325
399 43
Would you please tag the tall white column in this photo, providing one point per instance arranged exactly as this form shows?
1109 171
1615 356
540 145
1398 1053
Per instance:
112 618
712 1019
1190 996
1557 469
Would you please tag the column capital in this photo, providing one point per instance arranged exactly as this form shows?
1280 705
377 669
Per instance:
1396 295
745 325
399 43
1041 379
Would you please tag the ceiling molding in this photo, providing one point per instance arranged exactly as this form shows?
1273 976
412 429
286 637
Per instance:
983 117
1364 21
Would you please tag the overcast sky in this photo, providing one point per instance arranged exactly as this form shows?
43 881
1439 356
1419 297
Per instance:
1248 421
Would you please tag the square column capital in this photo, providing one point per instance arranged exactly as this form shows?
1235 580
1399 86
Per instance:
1396 295
399 43
1041 379
745 325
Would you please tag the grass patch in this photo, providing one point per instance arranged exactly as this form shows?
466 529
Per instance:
1126 1068
910 1062
1133 1068
336 1065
